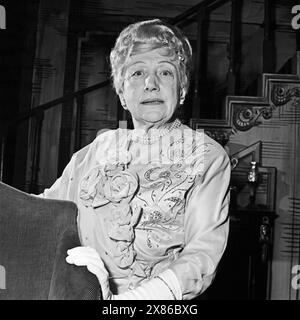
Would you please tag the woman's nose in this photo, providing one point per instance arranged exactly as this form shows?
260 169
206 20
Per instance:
151 83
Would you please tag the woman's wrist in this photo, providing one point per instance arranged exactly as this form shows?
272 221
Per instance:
169 278
164 286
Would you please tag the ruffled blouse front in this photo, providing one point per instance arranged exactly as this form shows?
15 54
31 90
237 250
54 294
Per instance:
146 208
113 184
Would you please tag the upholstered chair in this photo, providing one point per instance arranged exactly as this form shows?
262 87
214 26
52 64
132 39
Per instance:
35 235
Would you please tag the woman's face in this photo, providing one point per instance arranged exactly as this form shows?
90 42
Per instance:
151 88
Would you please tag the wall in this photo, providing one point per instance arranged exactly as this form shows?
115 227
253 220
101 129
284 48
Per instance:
17 51
48 84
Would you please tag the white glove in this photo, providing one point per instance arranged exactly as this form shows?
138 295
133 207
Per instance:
163 287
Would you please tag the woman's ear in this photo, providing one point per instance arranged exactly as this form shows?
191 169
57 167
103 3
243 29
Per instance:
122 100
182 96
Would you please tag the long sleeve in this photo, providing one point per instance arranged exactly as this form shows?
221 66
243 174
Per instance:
163 287
206 226
65 187
61 188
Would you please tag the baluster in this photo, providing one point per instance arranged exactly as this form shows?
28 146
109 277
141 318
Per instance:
234 47
200 63
33 188
269 48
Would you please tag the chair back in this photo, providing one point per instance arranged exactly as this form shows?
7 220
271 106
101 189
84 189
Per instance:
30 231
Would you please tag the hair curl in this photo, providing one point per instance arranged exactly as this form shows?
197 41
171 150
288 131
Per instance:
149 35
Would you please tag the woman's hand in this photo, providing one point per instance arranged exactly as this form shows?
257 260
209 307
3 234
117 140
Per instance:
89 257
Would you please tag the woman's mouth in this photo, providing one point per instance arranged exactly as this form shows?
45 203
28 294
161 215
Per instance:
152 101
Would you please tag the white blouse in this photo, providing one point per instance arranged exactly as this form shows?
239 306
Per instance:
150 208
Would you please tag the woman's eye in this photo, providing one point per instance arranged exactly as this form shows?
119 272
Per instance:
166 73
137 74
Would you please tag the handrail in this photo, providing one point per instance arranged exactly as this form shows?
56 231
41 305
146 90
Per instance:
189 13
41 108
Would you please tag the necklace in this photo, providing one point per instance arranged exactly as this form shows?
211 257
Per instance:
152 137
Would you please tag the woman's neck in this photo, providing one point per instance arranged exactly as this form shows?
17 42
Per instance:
153 134
148 128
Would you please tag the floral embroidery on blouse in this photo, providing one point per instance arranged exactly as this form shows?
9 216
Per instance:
114 184
91 190
110 183
162 193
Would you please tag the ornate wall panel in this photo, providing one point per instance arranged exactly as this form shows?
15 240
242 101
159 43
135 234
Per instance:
274 122
266 129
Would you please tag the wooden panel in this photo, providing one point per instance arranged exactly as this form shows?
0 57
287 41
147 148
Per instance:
48 80
279 134
99 110
272 122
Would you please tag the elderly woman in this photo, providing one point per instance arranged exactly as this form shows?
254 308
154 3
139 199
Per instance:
152 201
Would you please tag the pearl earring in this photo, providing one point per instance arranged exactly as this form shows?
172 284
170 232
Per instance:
123 103
182 97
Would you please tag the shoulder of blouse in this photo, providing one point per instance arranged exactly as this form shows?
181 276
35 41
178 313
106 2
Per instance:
211 148
108 137
215 146
216 157
88 151
209 156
